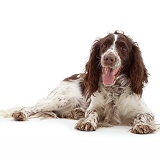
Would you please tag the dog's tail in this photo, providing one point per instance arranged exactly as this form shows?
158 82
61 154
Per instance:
7 113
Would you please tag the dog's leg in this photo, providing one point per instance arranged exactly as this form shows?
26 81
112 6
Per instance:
143 124
48 108
89 123
43 107
93 114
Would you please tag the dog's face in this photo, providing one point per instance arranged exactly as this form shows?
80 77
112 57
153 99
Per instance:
111 56
115 53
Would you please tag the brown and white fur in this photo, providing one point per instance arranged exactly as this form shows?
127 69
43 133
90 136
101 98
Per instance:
108 93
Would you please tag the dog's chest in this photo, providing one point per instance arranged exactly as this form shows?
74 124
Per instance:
111 99
111 94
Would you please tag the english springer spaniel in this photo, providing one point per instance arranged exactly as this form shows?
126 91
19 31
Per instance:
109 92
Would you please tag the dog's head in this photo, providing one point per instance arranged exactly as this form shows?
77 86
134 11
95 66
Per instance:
111 56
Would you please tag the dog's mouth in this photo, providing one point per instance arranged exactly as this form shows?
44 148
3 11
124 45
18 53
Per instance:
109 75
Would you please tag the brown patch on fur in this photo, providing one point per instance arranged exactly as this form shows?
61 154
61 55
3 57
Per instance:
92 70
138 73
73 77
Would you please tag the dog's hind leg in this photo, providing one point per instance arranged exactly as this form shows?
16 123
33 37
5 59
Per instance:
66 108
66 101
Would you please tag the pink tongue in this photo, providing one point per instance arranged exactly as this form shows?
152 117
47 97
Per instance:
108 76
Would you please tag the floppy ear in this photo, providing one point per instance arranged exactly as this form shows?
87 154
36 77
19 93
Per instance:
138 73
92 70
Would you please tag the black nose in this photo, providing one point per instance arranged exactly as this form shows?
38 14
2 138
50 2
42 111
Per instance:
110 59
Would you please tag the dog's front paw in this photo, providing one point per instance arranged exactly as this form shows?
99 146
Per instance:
86 125
143 128
19 116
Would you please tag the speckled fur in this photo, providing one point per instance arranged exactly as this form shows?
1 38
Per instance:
112 105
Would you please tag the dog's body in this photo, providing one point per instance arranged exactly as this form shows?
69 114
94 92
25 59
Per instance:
108 93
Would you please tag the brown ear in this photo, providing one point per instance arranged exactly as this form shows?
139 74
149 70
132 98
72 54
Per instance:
138 73
92 70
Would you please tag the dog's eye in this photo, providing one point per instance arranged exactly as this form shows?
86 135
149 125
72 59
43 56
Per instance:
122 46
123 49
105 45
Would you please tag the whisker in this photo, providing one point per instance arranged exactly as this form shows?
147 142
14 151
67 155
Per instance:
99 64
98 57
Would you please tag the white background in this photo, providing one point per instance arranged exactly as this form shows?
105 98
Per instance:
41 43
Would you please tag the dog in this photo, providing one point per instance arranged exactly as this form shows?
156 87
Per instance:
107 93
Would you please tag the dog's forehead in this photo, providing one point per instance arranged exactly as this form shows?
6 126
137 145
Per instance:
114 37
